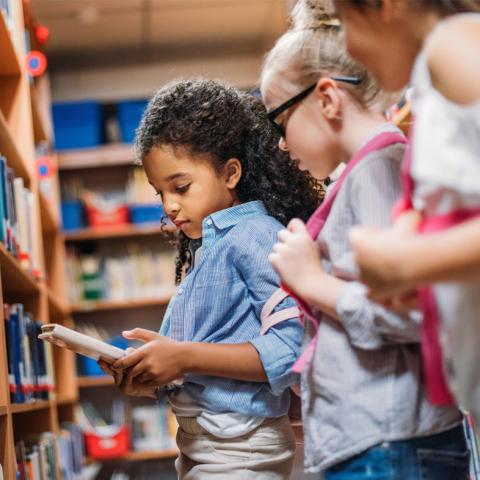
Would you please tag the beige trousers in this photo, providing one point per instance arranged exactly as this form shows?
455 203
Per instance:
266 453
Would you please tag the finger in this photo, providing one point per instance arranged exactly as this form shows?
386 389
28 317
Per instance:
105 367
140 334
358 235
408 222
279 248
145 377
296 226
129 360
284 235
138 370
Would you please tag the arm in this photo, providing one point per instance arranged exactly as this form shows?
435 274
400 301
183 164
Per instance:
162 360
454 62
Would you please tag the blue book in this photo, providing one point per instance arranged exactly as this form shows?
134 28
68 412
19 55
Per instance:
34 355
15 312
10 354
3 201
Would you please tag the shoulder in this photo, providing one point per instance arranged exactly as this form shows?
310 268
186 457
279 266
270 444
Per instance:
453 59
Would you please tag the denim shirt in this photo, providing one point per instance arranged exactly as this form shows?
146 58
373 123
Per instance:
220 301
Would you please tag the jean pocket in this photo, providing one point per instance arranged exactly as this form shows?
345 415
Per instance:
443 465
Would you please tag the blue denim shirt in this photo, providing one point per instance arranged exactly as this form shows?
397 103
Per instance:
220 301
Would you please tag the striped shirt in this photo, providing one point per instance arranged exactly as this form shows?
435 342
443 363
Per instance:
220 301
364 384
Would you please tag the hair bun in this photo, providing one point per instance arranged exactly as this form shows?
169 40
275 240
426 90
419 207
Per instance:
313 14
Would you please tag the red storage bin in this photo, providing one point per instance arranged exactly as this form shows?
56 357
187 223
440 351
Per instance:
108 442
107 218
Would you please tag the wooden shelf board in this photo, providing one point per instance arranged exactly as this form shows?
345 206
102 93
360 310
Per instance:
89 382
39 129
10 64
31 406
57 308
104 156
89 234
50 220
121 305
66 400
3 410
9 149
141 456
14 278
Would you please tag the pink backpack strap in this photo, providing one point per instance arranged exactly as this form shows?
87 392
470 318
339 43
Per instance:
270 319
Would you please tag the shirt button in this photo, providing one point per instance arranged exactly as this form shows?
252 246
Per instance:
209 221
180 291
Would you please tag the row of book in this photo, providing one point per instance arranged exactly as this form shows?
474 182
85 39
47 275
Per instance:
471 434
137 274
42 457
30 361
18 218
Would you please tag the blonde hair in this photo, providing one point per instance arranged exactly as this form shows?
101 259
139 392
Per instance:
315 47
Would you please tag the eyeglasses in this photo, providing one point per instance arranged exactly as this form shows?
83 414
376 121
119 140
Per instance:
299 97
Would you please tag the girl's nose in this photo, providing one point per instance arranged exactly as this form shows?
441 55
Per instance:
282 144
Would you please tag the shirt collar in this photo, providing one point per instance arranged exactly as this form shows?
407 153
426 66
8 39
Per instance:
231 216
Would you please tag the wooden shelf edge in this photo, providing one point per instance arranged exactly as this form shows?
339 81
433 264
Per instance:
100 306
89 234
103 156
58 307
50 220
19 280
3 410
66 400
90 382
10 64
40 132
9 149
31 406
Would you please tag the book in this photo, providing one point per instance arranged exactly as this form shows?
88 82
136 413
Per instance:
80 343
23 237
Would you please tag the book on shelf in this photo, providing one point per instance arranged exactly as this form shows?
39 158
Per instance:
19 219
30 362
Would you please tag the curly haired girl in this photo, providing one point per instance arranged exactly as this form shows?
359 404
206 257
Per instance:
212 155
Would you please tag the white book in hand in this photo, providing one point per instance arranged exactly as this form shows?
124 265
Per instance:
79 343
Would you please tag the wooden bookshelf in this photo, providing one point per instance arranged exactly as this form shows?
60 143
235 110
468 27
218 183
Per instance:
104 156
121 231
91 382
10 64
100 306
21 125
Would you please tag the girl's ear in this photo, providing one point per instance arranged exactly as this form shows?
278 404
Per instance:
328 96
233 172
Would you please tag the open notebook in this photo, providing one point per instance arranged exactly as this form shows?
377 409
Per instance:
80 343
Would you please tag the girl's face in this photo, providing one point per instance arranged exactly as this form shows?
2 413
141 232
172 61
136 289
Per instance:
385 38
189 186
310 139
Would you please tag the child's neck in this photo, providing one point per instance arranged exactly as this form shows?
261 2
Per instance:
357 128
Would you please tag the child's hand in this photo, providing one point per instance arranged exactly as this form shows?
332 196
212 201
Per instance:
157 363
127 385
296 258
384 260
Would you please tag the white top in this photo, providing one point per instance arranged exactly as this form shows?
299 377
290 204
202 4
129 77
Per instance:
446 170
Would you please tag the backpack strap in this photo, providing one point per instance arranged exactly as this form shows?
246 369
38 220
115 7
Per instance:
269 319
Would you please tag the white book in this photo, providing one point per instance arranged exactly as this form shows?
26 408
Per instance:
22 221
79 343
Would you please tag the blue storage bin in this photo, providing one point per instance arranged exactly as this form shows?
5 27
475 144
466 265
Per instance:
77 124
129 116
146 213
73 216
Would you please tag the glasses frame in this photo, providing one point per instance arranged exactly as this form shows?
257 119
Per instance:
299 97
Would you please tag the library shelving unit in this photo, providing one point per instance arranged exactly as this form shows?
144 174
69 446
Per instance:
109 165
22 125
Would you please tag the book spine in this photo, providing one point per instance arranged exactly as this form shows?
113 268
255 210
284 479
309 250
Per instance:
12 212
18 367
3 202
10 354
22 219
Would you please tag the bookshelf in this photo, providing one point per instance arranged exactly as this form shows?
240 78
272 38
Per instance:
43 294
88 307
122 231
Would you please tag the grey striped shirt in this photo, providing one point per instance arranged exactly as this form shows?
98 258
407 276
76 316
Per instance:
364 384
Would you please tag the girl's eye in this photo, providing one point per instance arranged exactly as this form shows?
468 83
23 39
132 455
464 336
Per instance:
183 188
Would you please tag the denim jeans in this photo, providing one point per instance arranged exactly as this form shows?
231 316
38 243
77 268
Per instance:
443 456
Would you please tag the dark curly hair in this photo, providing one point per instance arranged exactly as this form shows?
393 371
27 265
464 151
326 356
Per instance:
213 118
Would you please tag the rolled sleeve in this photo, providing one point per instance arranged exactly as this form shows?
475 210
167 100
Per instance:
278 350
371 326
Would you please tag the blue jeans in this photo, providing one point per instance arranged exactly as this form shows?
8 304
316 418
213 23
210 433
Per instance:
444 456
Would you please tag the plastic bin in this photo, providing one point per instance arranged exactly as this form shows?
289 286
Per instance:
146 213
129 116
107 218
107 442
77 124
73 216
